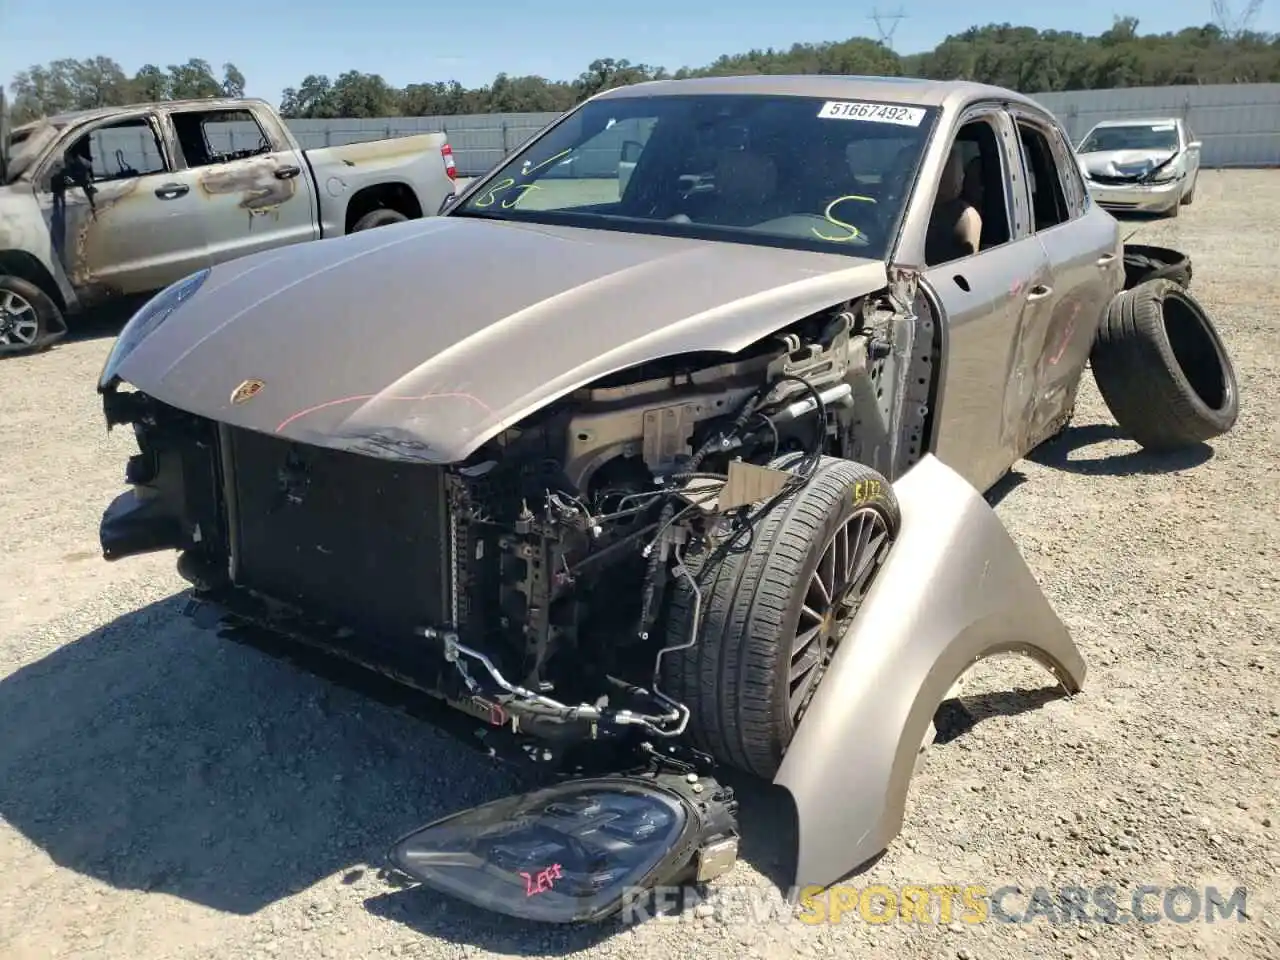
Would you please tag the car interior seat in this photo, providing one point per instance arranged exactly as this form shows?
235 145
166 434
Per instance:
955 228
746 189
974 191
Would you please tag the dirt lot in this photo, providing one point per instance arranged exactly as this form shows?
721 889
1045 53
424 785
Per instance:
165 793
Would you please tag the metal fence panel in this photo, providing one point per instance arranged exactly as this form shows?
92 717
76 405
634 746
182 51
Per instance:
1239 125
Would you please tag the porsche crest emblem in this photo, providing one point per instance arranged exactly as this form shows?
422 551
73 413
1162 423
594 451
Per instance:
247 391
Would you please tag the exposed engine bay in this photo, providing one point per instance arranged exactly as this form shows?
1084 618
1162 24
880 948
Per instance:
530 585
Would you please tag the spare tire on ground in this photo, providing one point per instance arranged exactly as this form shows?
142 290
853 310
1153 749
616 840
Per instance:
773 608
1143 263
1162 368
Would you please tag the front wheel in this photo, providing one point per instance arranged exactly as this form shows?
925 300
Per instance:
774 607
28 317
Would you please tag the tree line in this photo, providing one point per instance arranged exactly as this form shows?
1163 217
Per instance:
1020 58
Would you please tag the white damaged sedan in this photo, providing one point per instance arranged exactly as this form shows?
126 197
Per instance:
1141 166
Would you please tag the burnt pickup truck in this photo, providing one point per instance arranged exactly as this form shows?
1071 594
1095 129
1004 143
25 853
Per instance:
126 200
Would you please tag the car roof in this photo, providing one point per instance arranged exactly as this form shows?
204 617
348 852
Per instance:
1136 122
93 113
913 91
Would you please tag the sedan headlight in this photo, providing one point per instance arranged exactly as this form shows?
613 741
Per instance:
574 852
153 313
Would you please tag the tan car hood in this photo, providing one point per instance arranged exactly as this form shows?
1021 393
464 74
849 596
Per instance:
422 340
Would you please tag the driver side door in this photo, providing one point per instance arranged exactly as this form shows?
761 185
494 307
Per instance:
121 219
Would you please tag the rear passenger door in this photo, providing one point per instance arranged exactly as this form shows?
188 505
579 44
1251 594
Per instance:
1082 244
254 190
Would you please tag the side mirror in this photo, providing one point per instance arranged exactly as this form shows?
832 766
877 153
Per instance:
1193 145
631 151
449 200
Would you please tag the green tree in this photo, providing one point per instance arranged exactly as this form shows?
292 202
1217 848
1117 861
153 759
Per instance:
193 80
69 84
232 81
151 83
1022 58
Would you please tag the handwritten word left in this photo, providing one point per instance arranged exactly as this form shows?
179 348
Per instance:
542 881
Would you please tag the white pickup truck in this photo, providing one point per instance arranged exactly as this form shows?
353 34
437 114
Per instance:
126 200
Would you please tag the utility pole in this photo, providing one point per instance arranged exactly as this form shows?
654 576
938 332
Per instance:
892 19
1234 27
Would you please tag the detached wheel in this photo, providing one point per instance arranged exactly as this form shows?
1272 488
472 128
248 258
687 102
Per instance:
1143 262
27 316
1162 368
378 218
774 607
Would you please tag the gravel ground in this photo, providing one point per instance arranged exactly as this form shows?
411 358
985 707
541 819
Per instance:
166 793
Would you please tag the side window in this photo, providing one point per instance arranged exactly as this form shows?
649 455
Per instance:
209 137
1044 179
1077 192
970 211
113 151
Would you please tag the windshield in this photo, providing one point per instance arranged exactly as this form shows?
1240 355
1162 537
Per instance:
1145 136
781 171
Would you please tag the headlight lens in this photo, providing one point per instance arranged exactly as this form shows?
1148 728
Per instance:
566 854
154 312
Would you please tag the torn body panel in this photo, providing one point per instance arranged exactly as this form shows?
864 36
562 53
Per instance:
953 590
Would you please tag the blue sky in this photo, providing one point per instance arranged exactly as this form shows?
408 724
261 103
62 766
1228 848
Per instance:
410 42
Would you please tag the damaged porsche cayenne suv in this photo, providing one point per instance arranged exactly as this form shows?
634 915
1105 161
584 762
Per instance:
606 455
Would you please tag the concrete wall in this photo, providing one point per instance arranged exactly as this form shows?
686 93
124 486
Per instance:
1239 125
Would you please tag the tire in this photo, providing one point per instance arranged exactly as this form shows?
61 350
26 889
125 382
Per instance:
1143 262
1162 369
1190 194
29 319
378 218
735 677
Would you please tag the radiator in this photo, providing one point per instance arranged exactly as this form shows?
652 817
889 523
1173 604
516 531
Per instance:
359 541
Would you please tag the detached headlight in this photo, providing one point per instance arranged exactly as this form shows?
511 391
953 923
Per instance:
153 313
577 851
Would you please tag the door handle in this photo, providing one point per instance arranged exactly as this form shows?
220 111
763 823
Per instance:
171 191
1039 292
1106 259
287 173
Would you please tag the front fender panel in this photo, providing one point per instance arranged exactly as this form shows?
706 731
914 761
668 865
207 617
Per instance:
953 590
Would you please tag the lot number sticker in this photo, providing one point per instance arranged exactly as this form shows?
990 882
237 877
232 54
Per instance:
872 112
